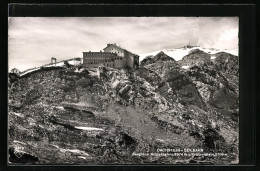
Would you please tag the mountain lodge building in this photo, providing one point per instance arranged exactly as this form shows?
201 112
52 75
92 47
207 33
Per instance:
113 56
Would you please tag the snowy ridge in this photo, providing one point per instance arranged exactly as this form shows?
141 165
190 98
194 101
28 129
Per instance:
179 53
74 62
29 70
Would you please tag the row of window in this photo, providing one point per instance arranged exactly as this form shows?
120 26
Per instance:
101 58
115 49
92 54
94 62
117 52
99 62
109 65
98 58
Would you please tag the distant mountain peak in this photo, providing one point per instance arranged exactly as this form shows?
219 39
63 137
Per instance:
178 53
161 53
197 51
161 56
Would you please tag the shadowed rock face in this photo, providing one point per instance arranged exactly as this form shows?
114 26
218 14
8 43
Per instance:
105 115
161 56
196 57
22 158
227 63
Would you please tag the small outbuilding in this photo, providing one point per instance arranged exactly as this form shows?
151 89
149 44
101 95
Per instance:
53 60
15 71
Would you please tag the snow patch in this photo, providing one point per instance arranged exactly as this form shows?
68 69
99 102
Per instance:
18 114
15 141
41 126
212 57
89 128
71 150
60 107
28 71
81 157
160 140
78 152
185 67
74 62
115 83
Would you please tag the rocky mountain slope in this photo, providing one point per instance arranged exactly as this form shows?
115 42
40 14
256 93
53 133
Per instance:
83 115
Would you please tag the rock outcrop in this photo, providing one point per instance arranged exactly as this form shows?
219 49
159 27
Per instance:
104 115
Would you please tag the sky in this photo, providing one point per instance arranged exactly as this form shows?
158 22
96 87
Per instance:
32 41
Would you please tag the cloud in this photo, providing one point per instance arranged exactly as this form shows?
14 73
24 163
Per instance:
34 40
220 33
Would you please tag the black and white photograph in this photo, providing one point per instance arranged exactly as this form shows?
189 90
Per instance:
123 90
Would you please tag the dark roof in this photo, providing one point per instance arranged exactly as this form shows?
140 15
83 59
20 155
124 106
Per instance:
98 52
115 46
108 45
